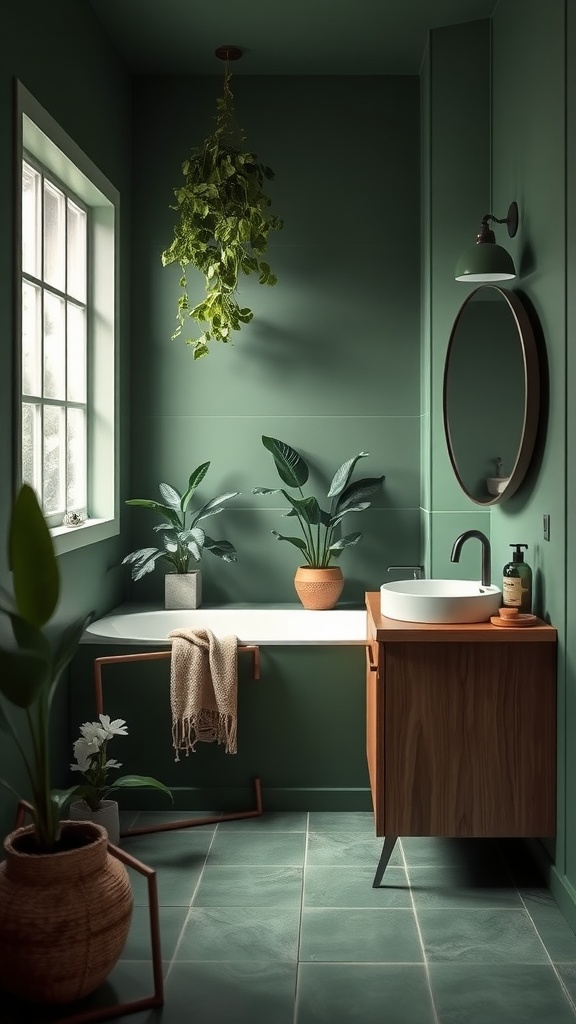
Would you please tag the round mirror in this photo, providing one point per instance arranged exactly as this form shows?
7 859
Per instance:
491 394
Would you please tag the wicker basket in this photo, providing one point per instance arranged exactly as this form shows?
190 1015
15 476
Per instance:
318 589
64 916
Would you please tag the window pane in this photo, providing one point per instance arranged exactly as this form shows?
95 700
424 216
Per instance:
31 232
76 353
31 340
76 461
31 446
54 236
76 252
54 347
54 460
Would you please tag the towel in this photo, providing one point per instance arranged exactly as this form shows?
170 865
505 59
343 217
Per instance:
203 689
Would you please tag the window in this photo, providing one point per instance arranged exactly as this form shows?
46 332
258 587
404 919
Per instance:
68 243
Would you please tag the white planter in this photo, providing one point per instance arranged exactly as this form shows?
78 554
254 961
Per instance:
106 815
183 590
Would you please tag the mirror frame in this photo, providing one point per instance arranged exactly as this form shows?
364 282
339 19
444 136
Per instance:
531 413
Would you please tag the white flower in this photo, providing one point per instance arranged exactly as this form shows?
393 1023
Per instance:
115 728
84 751
93 733
113 764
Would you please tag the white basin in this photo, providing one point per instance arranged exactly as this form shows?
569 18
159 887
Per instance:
439 601
497 484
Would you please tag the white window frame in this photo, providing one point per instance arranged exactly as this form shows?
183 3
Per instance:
41 137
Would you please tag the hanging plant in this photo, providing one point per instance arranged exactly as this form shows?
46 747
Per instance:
222 228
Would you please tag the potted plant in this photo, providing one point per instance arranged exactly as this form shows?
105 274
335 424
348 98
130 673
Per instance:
222 228
55 872
183 541
91 753
318 584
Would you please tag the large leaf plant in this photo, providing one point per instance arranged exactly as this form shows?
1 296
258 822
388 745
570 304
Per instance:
32 665
320 542
183 540
222 228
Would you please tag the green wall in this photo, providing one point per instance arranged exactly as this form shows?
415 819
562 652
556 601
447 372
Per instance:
71 69
330 362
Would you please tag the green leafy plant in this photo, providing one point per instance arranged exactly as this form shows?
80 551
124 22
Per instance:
222 228
32 665
183 541
319 526
91 753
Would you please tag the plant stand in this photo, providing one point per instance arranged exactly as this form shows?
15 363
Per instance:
118 659
148 1002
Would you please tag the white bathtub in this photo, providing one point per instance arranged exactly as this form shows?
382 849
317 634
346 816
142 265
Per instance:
142 625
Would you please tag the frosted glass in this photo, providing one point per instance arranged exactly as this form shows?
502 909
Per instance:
54 346
76 285
31 340
76 461
31 445
76 353
54 460
31 225
54 236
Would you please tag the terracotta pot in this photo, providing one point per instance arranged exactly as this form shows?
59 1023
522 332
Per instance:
64 916
107 815
318 589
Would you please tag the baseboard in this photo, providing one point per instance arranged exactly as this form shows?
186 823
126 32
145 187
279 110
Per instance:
562 890
297 798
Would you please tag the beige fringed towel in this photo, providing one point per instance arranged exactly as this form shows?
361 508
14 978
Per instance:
203 689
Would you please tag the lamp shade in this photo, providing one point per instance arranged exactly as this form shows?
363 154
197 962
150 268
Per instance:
485 261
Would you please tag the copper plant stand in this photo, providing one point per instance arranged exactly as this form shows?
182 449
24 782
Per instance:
148 1002
118 659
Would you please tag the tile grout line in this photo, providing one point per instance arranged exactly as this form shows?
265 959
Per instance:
424 957
304 863
190 905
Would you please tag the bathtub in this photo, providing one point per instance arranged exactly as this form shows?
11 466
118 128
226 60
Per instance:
142 625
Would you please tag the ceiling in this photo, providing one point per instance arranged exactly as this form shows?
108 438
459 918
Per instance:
280 37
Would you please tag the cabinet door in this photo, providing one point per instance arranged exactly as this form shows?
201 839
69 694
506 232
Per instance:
469 738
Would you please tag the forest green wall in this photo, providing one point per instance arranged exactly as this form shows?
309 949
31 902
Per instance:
330 362
530 139
70 68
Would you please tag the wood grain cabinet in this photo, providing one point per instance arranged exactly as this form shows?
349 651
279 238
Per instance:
461 728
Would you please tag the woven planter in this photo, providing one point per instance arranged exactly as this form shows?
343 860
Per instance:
318 589
64 916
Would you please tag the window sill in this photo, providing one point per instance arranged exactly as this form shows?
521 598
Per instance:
70 538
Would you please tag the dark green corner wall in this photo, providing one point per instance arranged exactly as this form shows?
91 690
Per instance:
70 68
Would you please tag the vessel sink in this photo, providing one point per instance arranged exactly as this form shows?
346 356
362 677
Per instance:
441 601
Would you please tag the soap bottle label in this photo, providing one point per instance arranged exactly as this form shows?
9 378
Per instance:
512 592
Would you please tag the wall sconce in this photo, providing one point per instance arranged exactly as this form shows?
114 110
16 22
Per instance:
486 261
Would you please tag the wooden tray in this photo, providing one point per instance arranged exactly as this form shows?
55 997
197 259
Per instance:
524 619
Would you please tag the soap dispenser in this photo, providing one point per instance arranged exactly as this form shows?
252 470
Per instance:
517 582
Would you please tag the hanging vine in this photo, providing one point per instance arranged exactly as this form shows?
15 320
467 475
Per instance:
222 228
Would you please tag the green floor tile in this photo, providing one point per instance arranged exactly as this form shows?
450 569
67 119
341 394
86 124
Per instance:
504 994
480 936
270 821
363 994
551 925
345 821
258 848
240 933
360 936
468 856
230 993
138 944
351 886
242 886
341 848
440 887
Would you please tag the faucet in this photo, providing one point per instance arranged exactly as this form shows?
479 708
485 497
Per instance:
486 557
416 570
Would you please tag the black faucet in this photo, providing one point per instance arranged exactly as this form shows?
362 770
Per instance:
486 557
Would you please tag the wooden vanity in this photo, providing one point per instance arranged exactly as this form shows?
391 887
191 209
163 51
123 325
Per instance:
461 728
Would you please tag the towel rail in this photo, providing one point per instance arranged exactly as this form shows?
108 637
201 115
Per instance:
168 826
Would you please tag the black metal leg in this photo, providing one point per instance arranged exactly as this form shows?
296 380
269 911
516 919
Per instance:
389 844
